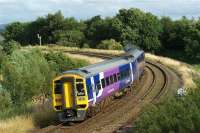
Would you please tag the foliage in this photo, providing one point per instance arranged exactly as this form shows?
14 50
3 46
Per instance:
174 32
44 115
15 31
5 99
110 44
142 29
181 115
71 38
85 45
2 55
60 62
133 25
26 74
10 46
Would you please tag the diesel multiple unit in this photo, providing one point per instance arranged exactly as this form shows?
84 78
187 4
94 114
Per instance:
75 91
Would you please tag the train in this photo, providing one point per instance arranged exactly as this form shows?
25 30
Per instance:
76 91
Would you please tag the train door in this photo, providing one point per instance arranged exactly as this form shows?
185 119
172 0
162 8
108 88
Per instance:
68 95
81 93
63 93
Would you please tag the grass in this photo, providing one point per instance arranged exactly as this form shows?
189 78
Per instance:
197 67
62 48
186 71
38 116
91 60
18 124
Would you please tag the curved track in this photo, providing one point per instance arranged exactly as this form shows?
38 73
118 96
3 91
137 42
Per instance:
153 86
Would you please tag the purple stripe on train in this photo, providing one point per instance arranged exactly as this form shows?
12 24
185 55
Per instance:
108 90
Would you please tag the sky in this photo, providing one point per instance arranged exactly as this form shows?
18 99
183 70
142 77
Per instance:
28 10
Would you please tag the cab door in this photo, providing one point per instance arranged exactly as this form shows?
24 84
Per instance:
68 95
81 93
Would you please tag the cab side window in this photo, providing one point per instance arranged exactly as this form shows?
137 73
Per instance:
80 89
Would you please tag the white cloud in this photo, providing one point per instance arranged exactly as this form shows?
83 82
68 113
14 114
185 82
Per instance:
25 10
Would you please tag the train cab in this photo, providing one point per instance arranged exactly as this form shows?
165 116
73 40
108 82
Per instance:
70 97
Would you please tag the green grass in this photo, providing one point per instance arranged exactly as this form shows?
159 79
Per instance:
197 67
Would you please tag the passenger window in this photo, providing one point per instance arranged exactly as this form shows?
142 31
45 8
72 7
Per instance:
98 85
103 83
80 90
111 79
115 77
107 81
118 76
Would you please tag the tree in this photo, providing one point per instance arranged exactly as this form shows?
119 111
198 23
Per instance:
15 31
192 43
26 74
110 44
140 28
174 33
10 46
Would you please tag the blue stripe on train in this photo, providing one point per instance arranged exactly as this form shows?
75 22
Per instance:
134 68
89 89
96 79
123 68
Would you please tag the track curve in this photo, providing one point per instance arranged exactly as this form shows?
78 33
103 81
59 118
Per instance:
153 86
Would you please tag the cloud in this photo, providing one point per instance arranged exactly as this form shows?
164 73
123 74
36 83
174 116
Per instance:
26 10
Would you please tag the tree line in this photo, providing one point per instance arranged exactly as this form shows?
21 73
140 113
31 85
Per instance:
129 25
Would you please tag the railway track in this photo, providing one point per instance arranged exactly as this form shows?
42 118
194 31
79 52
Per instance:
121 112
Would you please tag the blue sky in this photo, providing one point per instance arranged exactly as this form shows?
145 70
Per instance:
27 10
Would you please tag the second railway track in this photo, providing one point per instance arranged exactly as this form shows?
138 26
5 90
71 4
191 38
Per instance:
155 83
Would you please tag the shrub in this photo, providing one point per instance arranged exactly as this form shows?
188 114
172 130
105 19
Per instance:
26 74
9 47
110 44
85 45
61 63
2 55
66 43
180 115
5 99
44 115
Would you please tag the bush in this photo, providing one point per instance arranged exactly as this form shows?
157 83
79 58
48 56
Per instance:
181 115
60 62
5 99
85 45
9 47
110 44
44 115
2 55
66 43
26 74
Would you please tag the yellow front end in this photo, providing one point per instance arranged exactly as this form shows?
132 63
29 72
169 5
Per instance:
70 96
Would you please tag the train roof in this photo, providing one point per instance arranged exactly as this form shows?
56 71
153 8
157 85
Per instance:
107 64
